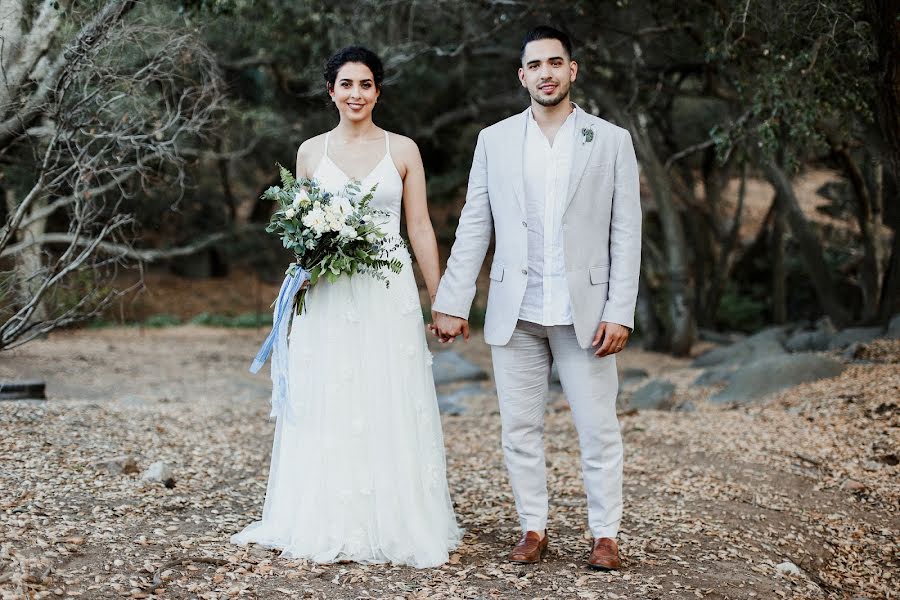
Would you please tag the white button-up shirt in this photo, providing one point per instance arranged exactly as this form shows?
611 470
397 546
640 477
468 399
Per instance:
546 171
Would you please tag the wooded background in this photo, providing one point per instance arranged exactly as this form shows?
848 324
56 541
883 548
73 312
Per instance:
139 133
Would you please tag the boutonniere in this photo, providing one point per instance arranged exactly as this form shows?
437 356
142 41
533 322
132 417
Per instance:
588 134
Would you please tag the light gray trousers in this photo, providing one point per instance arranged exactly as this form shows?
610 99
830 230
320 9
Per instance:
522 373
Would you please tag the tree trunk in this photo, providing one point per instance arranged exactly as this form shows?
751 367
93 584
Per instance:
29 263
682 323
646 316
779 271
725 263
808 244
868 209
886 32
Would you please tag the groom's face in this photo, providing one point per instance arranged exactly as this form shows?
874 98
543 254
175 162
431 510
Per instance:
547 71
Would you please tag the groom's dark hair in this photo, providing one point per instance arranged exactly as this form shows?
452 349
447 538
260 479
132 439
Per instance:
545 32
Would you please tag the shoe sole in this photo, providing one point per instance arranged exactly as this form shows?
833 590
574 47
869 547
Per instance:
603 568
530 562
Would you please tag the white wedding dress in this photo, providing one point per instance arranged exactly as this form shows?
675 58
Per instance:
358 467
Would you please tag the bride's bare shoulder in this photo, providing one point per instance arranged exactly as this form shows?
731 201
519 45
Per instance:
309 154
400 144
405 153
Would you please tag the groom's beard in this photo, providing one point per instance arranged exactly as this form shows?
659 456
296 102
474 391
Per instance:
561 94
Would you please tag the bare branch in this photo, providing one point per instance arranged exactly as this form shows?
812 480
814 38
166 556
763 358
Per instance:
119 250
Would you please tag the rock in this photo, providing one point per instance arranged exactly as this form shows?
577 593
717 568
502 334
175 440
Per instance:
765 343
454 402
159 472
788 568
776 373
686 406
708 335
631 374
852 335
808 341
853 486
714 376
23 389
852 351
891 460
449 367
118 465
893 328
657 394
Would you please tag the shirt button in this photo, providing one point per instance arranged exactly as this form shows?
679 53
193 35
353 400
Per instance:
524 271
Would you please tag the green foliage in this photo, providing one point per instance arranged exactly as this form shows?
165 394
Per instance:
793 68
740 312
163 320
244 320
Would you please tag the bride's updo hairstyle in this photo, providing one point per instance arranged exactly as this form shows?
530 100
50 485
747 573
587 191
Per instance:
353 54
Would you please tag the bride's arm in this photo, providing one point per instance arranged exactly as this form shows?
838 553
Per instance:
418 221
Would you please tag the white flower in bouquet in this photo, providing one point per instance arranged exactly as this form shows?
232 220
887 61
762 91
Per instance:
348 232
315 220
301 199
335 221
290 213
342 206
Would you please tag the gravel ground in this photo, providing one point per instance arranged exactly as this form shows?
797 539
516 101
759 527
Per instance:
715 499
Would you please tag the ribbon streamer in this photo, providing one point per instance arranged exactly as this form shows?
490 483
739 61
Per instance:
276 343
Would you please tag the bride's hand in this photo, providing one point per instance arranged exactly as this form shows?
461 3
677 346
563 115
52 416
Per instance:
448 327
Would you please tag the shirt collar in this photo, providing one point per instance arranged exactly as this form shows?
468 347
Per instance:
529 114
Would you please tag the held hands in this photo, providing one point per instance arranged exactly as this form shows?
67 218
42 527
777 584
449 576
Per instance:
611 337
447 327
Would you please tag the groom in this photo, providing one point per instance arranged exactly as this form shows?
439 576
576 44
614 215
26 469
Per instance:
559 190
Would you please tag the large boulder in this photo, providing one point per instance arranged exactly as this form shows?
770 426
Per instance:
893 328
816 340
632 375
455 402
714 376
854 335
449 367
767 342
775 373
656 394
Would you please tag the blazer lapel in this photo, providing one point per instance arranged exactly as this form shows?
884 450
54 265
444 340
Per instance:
517 155
581 151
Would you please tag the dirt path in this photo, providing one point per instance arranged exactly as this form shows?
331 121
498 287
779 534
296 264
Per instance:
715 498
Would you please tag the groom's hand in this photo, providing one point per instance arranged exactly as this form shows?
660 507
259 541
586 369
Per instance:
448 327
611 337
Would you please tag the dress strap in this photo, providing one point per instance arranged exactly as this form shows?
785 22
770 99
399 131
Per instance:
387 144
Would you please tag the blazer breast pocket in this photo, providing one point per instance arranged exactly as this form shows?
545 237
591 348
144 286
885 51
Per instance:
496 272
597 169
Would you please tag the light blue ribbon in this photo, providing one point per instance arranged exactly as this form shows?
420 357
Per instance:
276 343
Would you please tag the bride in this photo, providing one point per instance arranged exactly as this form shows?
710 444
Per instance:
358 470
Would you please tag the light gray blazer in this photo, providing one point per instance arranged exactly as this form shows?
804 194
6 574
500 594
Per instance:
601 229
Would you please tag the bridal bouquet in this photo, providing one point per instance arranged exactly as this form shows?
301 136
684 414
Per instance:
330 234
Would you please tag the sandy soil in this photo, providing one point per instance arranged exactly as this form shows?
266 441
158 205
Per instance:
715 499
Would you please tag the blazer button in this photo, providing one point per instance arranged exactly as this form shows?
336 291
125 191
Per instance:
524 224
524 271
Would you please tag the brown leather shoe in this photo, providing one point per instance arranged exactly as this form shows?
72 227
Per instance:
530 548
605 555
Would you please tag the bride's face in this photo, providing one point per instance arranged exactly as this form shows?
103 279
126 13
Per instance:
354 92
